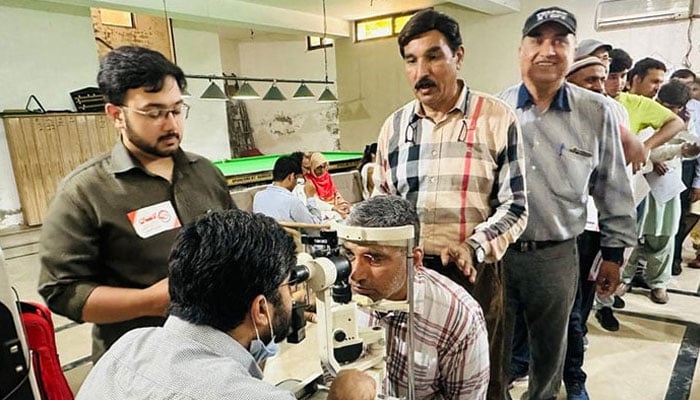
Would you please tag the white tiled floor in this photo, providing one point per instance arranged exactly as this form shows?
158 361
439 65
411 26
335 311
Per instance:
636 362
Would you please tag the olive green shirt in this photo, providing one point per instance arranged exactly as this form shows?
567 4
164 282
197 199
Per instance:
88 240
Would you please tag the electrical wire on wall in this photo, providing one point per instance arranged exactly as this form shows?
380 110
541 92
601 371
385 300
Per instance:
689 37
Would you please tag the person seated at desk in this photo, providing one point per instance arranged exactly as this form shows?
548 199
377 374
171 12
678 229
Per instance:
319 183
277 200
451 344
230 305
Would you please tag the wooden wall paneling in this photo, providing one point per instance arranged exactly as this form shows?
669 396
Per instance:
46 148
20 165
33 169
49 158
44 157
85 127
64 127
99 139
106 133
77 150
33 143
94 136
21 146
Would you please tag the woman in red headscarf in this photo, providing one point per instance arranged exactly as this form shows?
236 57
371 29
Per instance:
319 183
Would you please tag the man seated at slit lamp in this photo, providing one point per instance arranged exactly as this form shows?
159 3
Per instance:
231 304
451 353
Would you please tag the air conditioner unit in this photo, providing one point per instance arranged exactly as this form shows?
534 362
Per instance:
619 13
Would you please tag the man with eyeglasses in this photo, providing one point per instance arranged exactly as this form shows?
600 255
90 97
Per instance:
105 241
456 154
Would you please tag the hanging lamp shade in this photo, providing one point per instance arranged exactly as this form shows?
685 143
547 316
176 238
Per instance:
274 93
246 92
303 92
327 96
213 92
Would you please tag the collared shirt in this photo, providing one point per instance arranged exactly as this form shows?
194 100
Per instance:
624 123
644 112
178 361
572 148
621 113
88 239
282 205
693 107
463 174
451 351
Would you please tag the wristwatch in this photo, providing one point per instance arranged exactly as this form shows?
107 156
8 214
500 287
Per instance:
479 253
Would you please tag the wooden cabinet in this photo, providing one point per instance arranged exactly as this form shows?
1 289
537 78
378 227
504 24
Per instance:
44 148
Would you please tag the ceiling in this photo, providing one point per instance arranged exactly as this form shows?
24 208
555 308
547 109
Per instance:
351 9
236 18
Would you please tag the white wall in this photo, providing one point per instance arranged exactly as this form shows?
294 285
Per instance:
45 54
371 85
50 54
206 130
286 126
371 74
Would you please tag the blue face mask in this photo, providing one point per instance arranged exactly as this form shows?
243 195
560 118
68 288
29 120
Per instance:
258 349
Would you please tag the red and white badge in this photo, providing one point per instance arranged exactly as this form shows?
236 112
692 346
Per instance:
152 220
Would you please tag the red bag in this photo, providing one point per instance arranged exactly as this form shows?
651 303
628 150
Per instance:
41 341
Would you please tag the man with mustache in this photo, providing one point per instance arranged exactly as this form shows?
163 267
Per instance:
105 241
456 155
573 147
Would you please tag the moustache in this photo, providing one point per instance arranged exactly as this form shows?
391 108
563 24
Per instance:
425 83
170 135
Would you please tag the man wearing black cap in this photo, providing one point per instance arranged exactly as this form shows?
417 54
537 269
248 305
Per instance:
573 141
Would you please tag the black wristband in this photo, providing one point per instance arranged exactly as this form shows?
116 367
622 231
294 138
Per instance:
613 254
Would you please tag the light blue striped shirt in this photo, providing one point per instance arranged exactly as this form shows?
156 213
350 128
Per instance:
283 205
179 361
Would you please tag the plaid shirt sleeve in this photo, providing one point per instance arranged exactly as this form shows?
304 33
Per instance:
465 367
508 221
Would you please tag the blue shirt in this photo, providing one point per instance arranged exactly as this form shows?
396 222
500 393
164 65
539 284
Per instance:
570 148
282 205
178 361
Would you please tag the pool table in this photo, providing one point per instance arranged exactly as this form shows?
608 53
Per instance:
258 169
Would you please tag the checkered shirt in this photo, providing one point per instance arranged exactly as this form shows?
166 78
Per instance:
450 347
464 174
